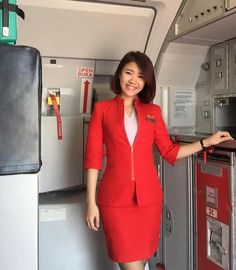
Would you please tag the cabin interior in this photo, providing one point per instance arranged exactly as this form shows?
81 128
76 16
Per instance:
192 44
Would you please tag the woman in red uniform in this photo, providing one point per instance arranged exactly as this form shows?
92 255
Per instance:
129 199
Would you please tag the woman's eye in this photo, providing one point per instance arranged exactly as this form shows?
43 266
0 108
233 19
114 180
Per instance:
127 72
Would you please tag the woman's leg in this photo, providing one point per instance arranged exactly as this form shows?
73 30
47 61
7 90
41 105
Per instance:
137 265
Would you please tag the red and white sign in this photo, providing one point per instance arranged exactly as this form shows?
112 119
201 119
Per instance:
211 212
85 72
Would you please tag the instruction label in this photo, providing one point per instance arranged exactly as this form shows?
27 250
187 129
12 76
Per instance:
52 214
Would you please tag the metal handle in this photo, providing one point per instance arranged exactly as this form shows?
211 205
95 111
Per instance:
214 237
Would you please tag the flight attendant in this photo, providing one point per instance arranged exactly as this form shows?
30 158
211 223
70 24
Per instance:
129 198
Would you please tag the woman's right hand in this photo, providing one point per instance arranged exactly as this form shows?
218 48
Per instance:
92 217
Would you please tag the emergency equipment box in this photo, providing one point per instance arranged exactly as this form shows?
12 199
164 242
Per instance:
8 21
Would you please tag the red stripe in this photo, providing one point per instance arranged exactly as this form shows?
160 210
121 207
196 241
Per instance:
86 83
85 98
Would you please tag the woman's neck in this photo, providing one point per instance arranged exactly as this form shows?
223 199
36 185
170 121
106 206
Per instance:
128 101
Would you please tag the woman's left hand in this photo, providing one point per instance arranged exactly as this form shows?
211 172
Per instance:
216 138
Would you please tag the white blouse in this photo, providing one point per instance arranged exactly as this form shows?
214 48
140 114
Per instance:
131 126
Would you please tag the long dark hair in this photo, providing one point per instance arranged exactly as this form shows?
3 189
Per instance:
145 64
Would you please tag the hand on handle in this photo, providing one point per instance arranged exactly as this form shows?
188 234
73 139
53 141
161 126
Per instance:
216 138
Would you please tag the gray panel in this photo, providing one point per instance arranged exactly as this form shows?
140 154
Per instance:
219 68
19 222
204 112
63 73
177 215
62 160
232 65
65 242
204 106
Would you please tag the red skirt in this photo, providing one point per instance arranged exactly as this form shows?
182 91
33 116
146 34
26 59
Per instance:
132 233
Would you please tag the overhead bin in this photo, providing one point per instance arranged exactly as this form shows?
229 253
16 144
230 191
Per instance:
196 13
206 22
65 28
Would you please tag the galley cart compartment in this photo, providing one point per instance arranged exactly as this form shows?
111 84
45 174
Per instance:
214 204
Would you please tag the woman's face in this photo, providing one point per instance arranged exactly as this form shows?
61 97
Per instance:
131 80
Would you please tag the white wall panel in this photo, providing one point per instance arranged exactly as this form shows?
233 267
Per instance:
19 222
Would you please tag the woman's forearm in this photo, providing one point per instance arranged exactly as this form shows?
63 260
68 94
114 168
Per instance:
192 148
92 176
189 149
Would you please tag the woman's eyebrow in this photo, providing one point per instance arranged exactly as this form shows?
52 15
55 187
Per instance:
129 69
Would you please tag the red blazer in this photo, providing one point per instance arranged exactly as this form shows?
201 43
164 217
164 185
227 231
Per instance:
126 164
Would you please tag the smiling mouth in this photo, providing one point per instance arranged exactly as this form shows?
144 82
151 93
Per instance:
129 87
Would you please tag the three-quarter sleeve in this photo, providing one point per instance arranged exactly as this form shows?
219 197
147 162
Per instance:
94 144
166 147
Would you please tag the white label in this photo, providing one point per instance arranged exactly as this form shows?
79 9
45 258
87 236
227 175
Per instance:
5 31
181 108
212 196
211 212
52 214
183 101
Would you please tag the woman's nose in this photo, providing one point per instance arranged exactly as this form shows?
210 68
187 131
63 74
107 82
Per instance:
132 79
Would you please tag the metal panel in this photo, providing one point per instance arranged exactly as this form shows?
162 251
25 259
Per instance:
65 242
219 68
65 74
204 112
19 222
177 215
62 160
232 65
204 105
